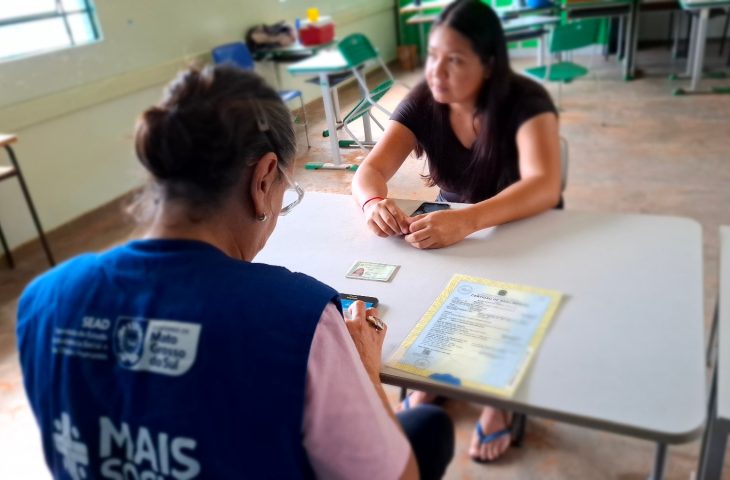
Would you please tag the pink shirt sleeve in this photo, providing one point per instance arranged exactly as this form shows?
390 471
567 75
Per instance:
347 431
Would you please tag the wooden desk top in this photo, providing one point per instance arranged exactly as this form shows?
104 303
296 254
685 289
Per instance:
7 139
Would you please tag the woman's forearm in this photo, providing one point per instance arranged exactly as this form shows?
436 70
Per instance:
368 183
523 199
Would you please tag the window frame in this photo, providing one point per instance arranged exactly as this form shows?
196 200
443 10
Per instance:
60 12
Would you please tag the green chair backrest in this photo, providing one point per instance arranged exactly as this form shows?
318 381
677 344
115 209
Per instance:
356 48
575 35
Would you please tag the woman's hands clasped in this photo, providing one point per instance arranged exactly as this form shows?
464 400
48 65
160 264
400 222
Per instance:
430 230
386 219
437 229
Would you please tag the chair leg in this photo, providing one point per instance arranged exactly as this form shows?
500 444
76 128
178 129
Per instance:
304 115
31 207
560 95
354 137
724 33
380 126
712 339
8 256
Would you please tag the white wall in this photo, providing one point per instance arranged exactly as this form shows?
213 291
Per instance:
73 110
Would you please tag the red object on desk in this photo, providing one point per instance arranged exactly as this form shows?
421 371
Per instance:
317 33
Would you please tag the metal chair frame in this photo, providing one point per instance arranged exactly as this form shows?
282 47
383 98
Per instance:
15 171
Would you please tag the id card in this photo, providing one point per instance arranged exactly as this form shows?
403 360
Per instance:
379 272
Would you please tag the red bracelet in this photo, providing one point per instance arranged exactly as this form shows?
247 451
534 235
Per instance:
370 200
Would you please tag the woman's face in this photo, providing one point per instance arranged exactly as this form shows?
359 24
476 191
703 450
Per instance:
454 72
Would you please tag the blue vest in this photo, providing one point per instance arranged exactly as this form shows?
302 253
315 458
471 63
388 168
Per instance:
168 359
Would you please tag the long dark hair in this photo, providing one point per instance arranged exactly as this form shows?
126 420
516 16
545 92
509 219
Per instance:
487 173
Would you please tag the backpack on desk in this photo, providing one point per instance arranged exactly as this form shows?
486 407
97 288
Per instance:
264 37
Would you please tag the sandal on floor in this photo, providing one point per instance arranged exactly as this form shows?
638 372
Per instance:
515 428
484 438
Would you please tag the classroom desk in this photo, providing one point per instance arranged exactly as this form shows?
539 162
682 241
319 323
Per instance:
714 442
625 350
698 39
290 54
424 5
613 8
517 24
323 64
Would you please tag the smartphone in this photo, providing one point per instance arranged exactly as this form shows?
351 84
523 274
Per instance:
346 299
428 207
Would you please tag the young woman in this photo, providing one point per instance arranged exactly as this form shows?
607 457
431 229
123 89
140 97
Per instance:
490 137
176 356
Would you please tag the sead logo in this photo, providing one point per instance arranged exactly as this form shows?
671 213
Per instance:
75 454
128 338
167 347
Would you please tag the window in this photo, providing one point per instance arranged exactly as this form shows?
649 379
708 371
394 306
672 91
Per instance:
29 27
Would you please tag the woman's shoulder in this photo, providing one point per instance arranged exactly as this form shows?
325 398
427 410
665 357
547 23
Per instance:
528 98
525 88
418 101
417 110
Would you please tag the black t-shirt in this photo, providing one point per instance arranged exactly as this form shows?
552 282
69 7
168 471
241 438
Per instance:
429 122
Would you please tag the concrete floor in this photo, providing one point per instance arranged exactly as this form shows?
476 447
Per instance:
633 148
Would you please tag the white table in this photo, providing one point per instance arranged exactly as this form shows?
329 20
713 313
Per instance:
698 38
625 351
712 453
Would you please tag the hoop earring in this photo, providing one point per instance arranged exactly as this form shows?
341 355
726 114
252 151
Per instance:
262 218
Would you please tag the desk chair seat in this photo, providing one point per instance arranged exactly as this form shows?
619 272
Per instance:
10 171
564 72
238 55
565 38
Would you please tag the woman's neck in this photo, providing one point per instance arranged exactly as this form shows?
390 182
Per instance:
220 230
463 109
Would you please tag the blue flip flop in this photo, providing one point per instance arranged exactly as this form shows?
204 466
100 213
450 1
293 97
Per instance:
484 438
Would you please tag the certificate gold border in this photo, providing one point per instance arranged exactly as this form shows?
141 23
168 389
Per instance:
555 297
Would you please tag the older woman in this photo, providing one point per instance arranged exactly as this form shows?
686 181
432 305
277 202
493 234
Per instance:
491 140
175 356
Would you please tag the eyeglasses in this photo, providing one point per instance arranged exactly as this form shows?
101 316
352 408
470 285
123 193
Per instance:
292 196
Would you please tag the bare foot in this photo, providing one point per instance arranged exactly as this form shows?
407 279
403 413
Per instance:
416 398
491 420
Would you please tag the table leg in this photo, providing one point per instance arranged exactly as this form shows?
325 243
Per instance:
711 414
329 113
660 460
714 454
336 102
421 41
365 118
699 53
691 42
541 50
632 30
621 39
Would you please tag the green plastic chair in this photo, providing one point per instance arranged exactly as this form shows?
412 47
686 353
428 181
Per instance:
359 52
566 38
